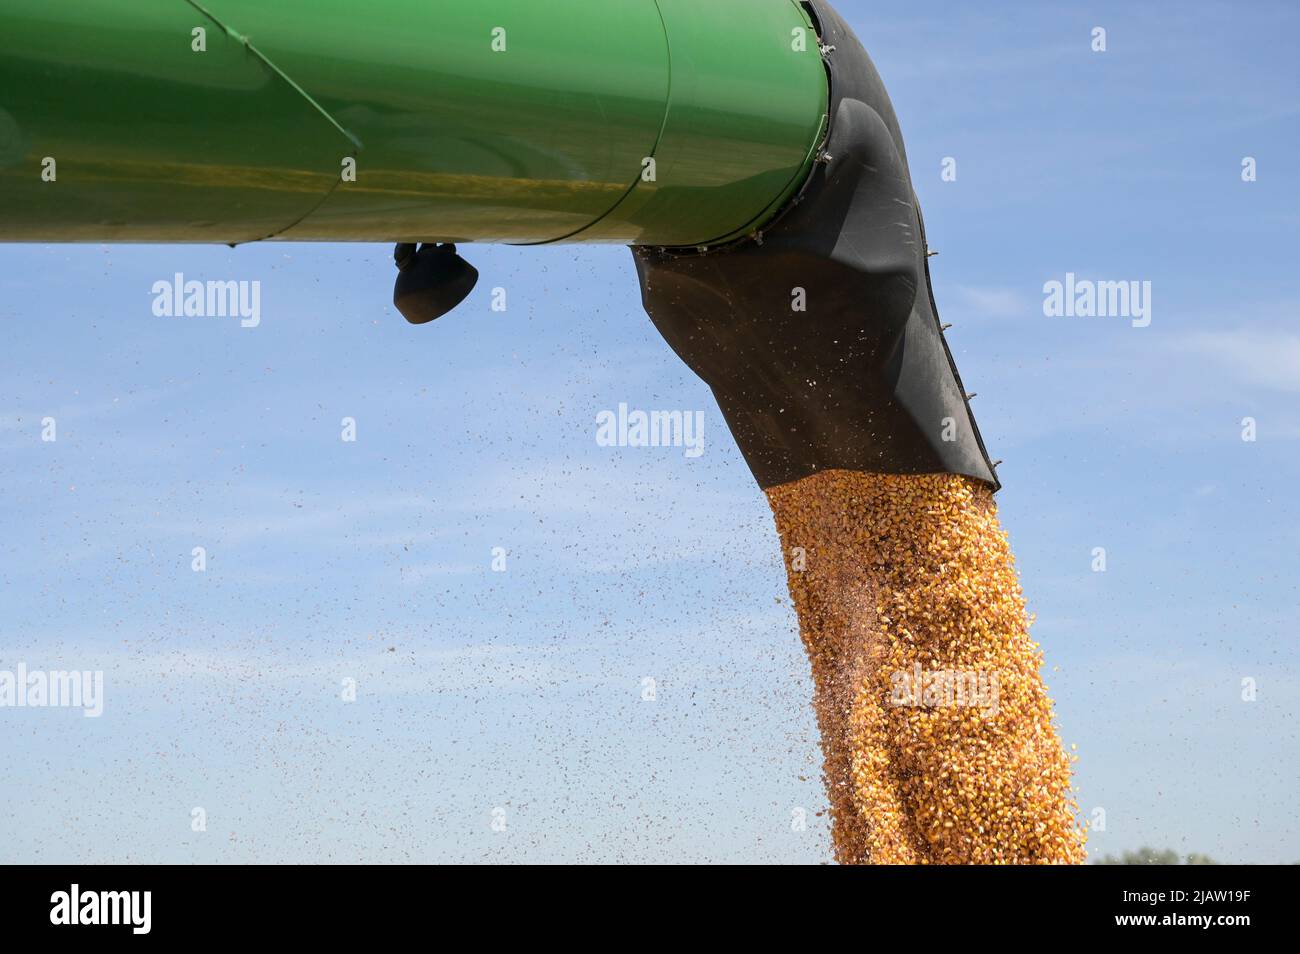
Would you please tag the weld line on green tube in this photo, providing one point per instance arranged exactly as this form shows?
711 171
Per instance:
249 45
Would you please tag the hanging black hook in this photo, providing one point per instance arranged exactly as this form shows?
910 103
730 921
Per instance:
431 280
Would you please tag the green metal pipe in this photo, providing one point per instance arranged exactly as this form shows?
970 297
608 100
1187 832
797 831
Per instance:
490 120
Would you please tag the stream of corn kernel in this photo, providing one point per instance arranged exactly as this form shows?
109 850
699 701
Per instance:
937 732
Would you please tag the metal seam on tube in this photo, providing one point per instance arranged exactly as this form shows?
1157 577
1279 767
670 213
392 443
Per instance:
270 64
654 150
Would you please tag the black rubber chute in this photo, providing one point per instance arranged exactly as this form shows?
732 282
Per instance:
820 337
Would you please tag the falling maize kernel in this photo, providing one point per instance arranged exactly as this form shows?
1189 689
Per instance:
908 573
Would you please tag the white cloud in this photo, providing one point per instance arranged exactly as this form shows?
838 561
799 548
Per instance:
988 302
1266 359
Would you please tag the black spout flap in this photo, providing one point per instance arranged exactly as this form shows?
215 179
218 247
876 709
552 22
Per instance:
820 338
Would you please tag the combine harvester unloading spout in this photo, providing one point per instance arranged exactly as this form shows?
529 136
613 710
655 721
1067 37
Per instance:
748 153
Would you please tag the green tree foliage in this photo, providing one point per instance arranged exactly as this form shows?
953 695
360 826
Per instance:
1150 856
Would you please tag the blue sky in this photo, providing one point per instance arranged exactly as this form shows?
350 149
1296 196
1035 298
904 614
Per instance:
522 690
